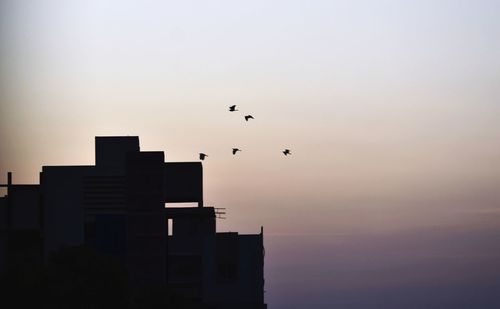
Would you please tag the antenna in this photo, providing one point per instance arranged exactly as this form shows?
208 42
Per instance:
220 212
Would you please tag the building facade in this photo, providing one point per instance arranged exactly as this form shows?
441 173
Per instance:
120 207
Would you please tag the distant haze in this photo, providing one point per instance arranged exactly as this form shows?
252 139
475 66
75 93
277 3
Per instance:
391 109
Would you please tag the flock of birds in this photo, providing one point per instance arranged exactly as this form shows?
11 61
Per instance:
232 108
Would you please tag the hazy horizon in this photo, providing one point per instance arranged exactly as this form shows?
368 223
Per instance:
391 110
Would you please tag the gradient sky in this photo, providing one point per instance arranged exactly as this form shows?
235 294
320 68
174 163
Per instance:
391 198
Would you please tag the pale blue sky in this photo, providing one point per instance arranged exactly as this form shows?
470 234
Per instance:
391 109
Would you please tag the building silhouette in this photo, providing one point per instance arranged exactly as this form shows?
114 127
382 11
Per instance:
119 208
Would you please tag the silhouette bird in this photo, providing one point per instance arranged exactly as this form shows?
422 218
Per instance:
232 108
235 150
248 117
287 152
202 156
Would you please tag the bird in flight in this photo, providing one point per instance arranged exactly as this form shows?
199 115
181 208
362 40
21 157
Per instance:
248 117
287 152
235 150
232 108
202 156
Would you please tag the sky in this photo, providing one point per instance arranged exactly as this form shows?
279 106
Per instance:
391 109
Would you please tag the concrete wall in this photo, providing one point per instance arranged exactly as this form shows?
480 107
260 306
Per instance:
247 290
111 151
147 224
63 211
25 206
183 182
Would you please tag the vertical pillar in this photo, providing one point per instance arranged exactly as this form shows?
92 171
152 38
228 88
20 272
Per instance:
9 204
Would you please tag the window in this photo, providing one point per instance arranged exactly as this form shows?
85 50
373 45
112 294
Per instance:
170 224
